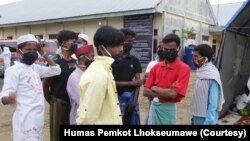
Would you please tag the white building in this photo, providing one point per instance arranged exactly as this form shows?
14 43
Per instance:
151 19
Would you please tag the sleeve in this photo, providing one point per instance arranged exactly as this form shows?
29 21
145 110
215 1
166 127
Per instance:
138 68
182 81
150 79
73 88
48 71
212 112
10 84
92 94
149 67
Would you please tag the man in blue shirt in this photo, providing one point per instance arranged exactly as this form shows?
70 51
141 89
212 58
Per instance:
208 96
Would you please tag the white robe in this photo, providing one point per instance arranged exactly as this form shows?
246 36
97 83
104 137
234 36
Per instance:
28 119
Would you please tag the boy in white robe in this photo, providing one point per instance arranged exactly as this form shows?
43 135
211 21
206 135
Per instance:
22 86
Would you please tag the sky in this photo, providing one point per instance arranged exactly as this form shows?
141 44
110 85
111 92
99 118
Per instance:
222 1
211 1
7 1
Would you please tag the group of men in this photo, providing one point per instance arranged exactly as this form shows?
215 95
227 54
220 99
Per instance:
104 89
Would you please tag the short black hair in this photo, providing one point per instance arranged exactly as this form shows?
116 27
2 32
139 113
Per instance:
108 37
204 50
66 35
172 38
128 32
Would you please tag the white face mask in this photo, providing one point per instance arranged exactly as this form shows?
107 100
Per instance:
64 48
82 66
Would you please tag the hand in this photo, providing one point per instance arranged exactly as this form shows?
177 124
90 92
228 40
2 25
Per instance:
11 99
136 83
154 88
39 46
173 85
145 78
131 107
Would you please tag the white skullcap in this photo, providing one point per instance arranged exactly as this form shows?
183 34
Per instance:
84 37
26 38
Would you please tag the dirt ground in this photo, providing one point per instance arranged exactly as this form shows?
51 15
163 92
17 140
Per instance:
7 112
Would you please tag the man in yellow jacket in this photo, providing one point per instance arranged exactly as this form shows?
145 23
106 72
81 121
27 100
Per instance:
98 95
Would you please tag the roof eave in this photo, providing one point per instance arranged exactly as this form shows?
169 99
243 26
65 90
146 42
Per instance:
94 16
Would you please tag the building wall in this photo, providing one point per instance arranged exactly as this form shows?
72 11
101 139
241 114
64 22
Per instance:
1 33
22 30
53 28
178 22
76 26
38 30
116 22
88 27
158 26
9 32
191 14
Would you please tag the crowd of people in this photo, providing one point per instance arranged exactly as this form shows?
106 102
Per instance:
84 88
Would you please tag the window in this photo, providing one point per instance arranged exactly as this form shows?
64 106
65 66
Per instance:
214 41
52 36
205 38
192 36
155 46
40 36
155 32
10 37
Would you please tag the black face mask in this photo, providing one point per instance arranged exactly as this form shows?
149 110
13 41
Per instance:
30 57
160 54
170 55
127 47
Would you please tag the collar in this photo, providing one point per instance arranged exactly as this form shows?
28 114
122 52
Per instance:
172 65
104 60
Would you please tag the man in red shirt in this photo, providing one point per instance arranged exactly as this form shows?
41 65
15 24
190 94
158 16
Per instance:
167 83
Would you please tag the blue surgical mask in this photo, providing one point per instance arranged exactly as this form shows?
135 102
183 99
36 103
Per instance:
30 57
79 45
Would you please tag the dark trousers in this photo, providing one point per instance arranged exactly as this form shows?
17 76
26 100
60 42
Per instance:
59 115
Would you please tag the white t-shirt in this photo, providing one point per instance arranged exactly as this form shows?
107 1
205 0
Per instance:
151 64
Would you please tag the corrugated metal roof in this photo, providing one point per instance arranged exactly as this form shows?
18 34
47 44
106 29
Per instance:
240 22
30 11
224 12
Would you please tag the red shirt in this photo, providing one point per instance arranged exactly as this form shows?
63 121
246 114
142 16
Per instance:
176 75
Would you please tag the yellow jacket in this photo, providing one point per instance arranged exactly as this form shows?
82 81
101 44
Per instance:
98 95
